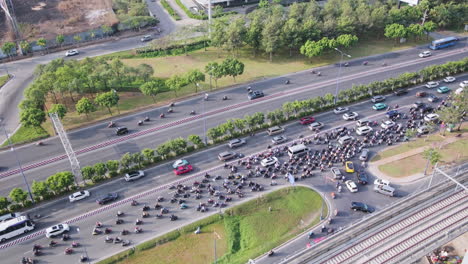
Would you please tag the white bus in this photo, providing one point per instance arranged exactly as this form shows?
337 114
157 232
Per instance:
15 227
9 216
297 150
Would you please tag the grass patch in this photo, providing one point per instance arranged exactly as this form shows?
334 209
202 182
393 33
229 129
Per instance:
4 79
452 152
170 10
27 134
243 232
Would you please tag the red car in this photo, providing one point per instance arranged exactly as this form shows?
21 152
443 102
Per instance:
307 120
183 169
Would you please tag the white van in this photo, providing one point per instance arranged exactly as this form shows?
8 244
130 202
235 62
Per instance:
275 130
345 140
297 150
384 189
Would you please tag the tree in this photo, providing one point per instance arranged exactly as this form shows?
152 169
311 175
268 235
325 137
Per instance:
60 109
138 158
60 39
432 156
215 70
126 160
271 36
148 154
112 166
152 88
107 30
42 42
85 106
346 40
175 83
195 76
4 203
263 4
214 133
88 172
254 32
145 71
218 32
100 169
18 195
8 48
107 100
163 150
395 31
429 27
416 30
312 48
25 46
61 181
40 190
32 117
240 124
235 35
77 38
291 34
233 67
196 140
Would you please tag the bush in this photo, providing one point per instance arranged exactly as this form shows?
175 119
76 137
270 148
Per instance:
28 203
15 207
173 50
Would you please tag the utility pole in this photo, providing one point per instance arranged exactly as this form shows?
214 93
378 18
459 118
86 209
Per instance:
339 73
209 19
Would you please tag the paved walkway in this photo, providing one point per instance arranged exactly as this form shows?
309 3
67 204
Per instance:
374 166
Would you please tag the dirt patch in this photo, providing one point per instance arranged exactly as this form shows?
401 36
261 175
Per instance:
48 18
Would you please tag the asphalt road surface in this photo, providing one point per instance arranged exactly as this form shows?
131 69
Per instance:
61 211
303 85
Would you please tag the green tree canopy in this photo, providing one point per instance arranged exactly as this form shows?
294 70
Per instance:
85 106
107 100
60 109
153 88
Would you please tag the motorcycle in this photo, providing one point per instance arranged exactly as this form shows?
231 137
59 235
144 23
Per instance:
271 253
160 199
37 253
346 64
286 82
68 251
140 122
138 229
134 203
75 244
225 98
174 217
138 222
162 115
119 221
37 247
145 214
111 124
319 74
83 258
52 243
365 63
120 213
107 231
183 206
125 243
97 231
172 105
98 225
40 143
170 110
124 232
65 237
109 239
146 208
25 260
193 112
117 240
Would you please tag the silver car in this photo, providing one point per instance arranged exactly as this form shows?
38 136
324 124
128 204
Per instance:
236 143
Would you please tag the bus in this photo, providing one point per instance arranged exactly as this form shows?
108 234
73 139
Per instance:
15 227
9 216
443 43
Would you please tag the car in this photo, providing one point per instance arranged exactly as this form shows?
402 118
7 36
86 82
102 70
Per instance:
443 89
76 196
392 113
362 122
275 130
426 108
121 131
425 54
381 182
350 116
340 110
57 230
349 167
306 120
464 84
423 130
72 52
255 94
387 124
352 187
107 198
180 162
134 175
449 79
431 117
432 84
236 143
278 139
336 173
364 130
316 126
459 90
378 98
432 98
226 155
362 177
400 92
421 94
146 38
269 161
183 169
356 206
364 154
418 104
379 106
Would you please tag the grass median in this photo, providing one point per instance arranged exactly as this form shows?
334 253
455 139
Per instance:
242 232
26 134
4 79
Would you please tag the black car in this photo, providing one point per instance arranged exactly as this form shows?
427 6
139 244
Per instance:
121 131
392 113
107 198
426 108
356 206
361 177
400 92
255 94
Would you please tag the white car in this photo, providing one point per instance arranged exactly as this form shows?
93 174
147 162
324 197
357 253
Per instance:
387 124
425 54
350 116
278 140
381 182
78 196
134 175
340 110
352 187
378 98
179 162
336 173
269 161
72 52
464 84
449 79
432 84
57 230
364 130
431 117
236 143
315 126
423 130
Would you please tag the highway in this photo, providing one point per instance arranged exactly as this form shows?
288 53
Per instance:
303 85
160 177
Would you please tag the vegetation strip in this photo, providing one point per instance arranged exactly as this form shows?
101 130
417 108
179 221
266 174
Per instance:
170 10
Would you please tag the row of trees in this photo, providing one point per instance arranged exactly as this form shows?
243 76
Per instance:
398 31
63 181
273 28
316 48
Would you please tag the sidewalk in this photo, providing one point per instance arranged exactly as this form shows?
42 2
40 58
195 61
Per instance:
374 166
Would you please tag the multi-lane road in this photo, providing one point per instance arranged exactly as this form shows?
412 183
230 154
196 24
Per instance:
50 158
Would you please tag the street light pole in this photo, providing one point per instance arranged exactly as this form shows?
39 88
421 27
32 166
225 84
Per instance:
339 74
203 117
17 161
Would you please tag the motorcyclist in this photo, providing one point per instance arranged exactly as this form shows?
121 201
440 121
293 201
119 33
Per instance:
192 112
